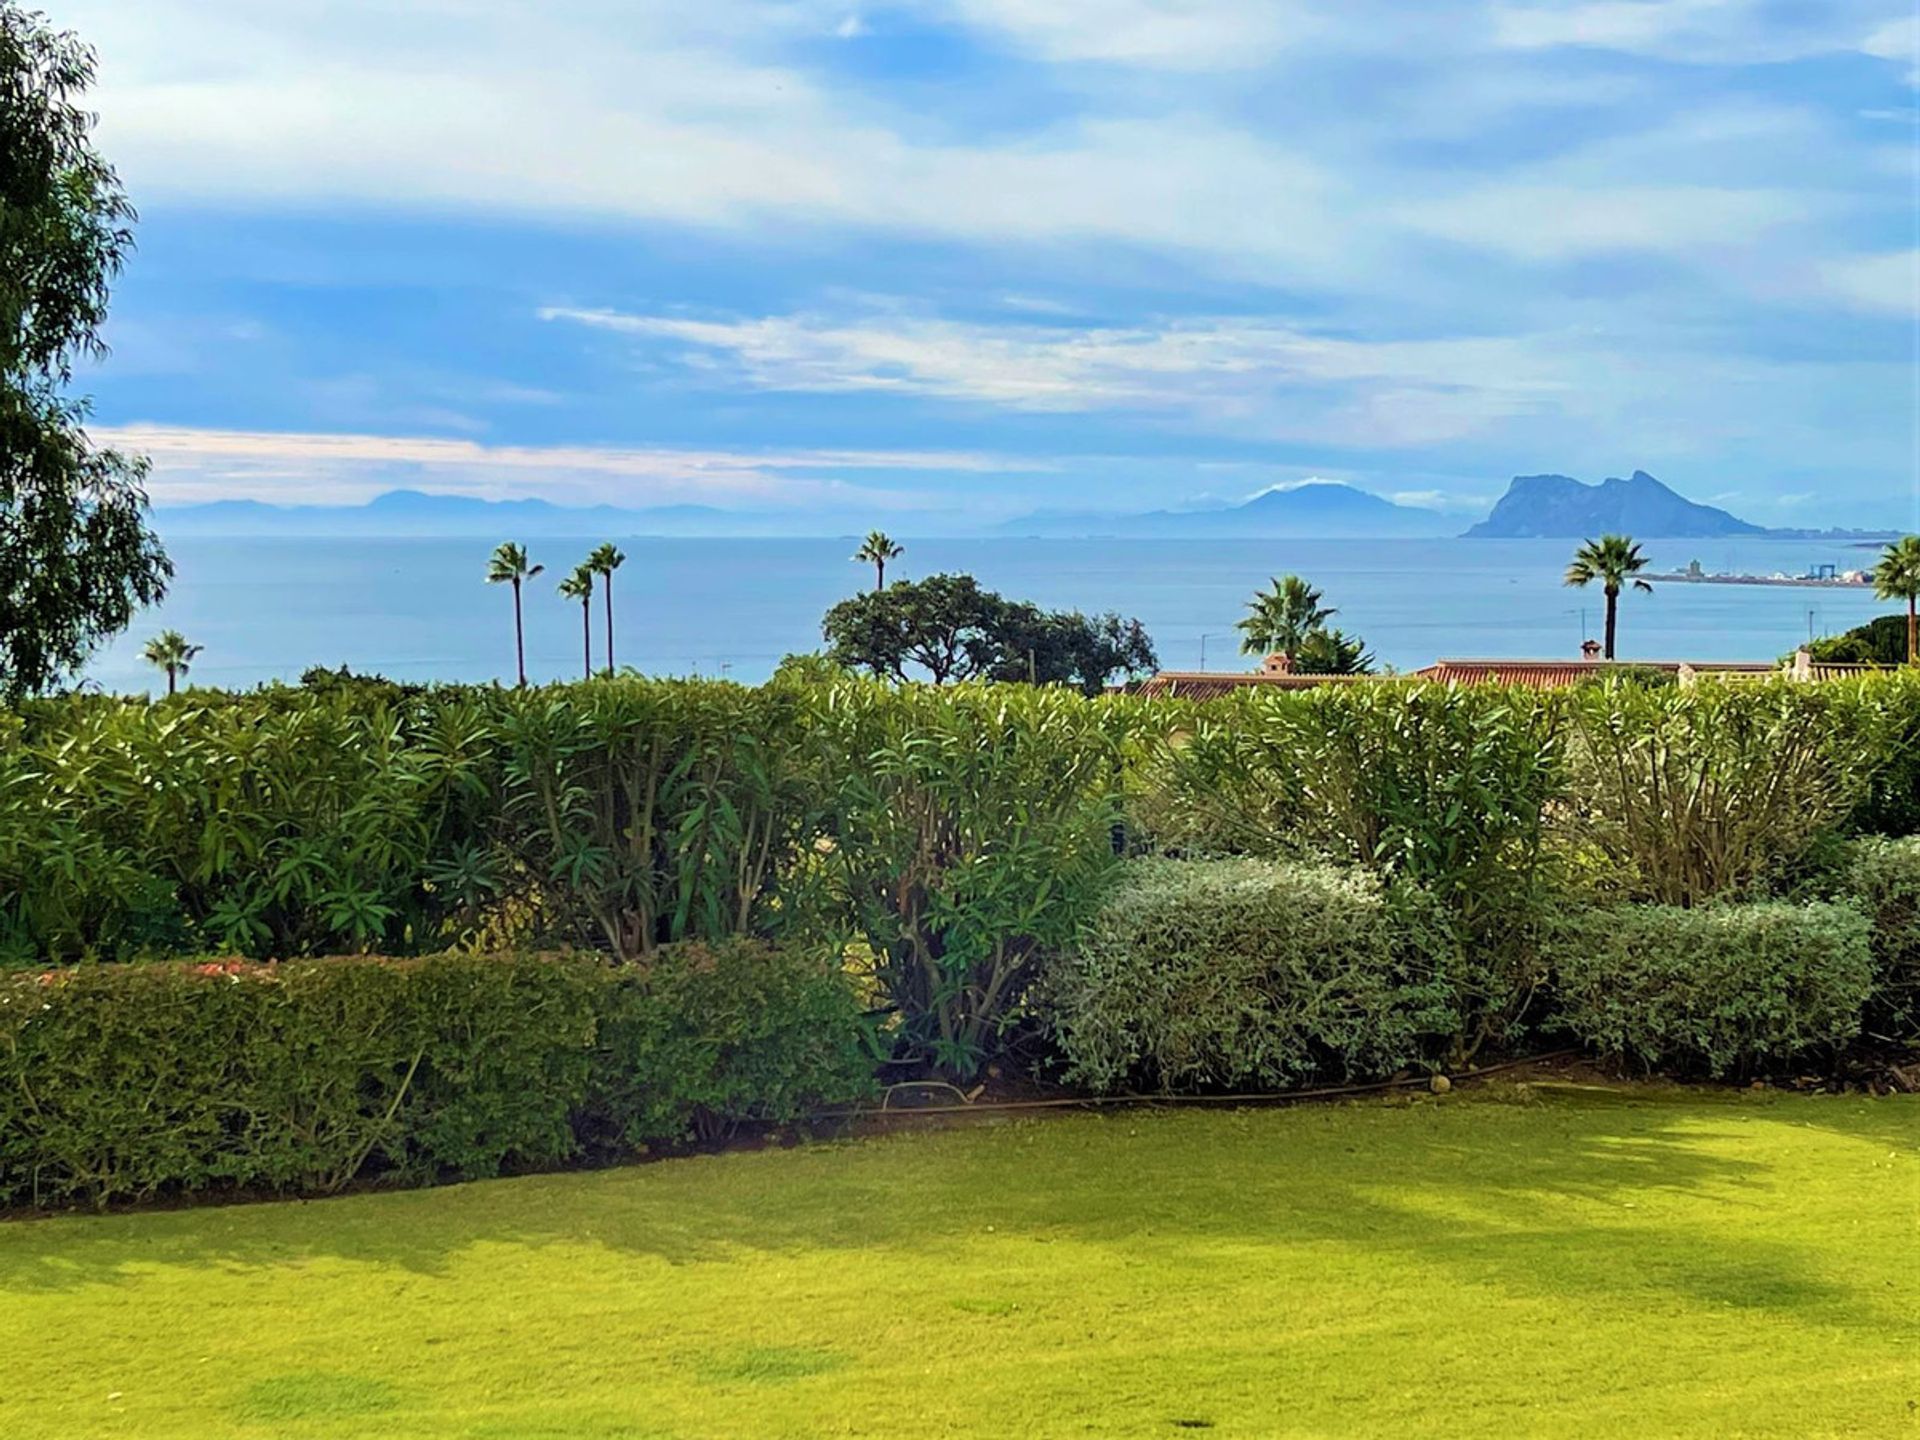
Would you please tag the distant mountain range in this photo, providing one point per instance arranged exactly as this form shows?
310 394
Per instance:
1318 510
412 513
1534 507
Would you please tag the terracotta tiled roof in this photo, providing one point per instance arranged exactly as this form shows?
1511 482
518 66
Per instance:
1547 674
1212 684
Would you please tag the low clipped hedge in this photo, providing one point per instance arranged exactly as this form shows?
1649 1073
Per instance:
1232 973
1720 988
124 1082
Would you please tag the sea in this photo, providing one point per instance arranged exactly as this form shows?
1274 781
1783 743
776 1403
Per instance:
420 609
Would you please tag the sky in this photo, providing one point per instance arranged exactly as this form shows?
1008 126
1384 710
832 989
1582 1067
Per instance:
936 263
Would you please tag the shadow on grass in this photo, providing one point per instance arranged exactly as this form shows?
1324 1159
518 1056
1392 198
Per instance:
1562 1193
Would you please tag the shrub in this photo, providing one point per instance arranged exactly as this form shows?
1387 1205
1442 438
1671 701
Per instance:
1891 805
1721 988
286 824
1224 973
1445 787
1701 790
120 1082
643 812
718 1034
1883 877
969 831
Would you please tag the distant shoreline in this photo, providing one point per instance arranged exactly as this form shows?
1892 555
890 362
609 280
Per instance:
1808 582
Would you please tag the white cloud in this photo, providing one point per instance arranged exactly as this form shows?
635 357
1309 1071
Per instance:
1256 375
711 115
1695 32
191 464
1889 282
1898 40
1559 221
1155 34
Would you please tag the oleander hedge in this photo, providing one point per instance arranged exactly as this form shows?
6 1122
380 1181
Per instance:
122 1082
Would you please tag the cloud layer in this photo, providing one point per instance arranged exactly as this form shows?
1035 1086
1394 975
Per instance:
1423 245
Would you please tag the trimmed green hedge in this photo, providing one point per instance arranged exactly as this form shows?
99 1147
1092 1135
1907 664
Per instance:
1883 877
122 1082
1235 973
1722 988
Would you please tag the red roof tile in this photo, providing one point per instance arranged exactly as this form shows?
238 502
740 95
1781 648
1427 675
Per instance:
1212 684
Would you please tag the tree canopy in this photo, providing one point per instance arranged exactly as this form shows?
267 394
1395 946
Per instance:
946 628
77 555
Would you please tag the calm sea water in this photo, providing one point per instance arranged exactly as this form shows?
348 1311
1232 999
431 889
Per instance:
419 609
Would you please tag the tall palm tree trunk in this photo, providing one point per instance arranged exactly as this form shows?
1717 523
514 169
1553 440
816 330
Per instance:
607 580
173 678
586 637
519 639
1613 611
1913 630
879 575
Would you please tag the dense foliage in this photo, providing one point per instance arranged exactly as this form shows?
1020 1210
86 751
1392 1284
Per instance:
121 1082
946 628
968 835
1248 974
1880 641
1721 988
1444 787
1881 877
77 558
949 842
1701 790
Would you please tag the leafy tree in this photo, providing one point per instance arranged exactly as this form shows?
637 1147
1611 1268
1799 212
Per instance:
946 624
1897 577
950 628
877 550
77 556
1332 652
1613 560
579 586
509 566
170 651
604 560
1280 618
1067 648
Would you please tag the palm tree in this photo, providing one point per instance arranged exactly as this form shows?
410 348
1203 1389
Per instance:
604 560
509 567
877 550
579 586
170 651
1897 577
1613 560
1281 618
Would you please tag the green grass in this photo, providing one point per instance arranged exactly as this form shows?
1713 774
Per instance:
1563 1261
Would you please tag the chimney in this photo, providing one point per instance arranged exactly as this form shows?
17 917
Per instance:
1590 650
1278 663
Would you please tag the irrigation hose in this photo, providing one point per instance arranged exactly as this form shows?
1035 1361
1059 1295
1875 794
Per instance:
1264 1097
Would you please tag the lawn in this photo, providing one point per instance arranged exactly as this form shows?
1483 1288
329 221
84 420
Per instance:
1554 1260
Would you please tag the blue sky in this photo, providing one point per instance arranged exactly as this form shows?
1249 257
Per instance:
939 262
